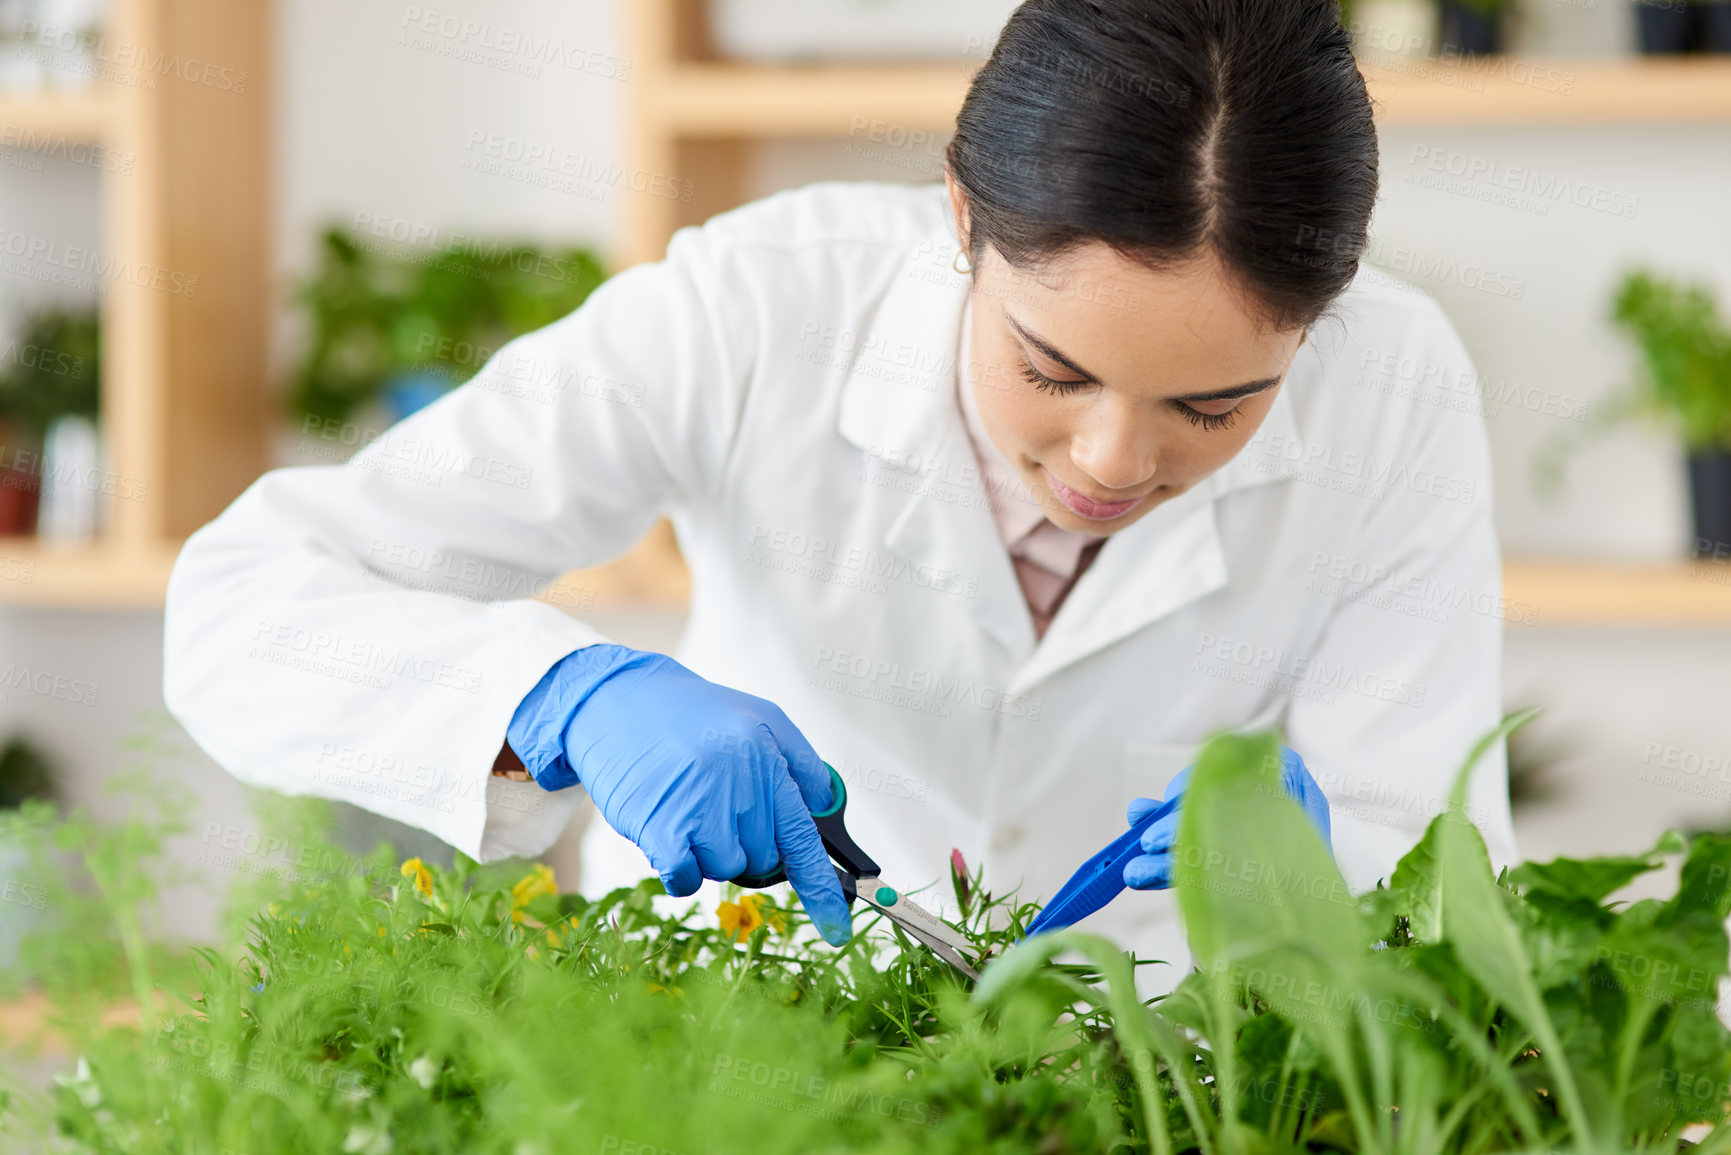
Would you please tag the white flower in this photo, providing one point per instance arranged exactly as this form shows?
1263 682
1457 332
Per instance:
423 1071
367 1140
81 1084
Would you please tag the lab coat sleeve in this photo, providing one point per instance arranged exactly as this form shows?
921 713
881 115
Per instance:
1407 675
365 631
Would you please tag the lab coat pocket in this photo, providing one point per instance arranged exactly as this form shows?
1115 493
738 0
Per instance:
1149 767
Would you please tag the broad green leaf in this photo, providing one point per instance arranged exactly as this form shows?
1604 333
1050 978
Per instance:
1266 908
1592 879
1250 871
1015 967
1705 884
1416 887
1487 941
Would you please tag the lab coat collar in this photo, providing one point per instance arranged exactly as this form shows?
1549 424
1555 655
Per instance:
899 401
898 406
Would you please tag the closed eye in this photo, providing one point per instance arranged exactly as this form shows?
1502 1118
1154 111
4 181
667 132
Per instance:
1048 384
1208 421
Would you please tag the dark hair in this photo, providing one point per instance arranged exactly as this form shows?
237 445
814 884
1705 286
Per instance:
1166 128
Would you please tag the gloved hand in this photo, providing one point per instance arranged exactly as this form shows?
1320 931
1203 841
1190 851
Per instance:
1153 869
709 782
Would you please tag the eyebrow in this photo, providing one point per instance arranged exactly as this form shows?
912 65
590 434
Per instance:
1232 393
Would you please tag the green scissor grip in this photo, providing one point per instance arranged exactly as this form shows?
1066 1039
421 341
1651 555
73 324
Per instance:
854 862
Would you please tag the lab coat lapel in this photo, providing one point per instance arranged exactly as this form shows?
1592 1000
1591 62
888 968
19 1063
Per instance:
899 402
1169 559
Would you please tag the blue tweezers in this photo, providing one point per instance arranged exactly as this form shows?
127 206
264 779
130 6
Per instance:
1100 879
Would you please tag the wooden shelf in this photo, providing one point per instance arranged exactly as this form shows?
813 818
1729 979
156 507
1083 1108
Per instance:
77 116
185 294
1541 593
742 100
1522 90
113 577
694 117
1552 593
1602 594
653 576
766 101
102 576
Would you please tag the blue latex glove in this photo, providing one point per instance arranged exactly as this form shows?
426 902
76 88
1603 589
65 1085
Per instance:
1153 870
709 782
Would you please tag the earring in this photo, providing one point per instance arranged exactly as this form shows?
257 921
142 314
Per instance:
955 263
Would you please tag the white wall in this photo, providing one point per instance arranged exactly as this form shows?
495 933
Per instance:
371 120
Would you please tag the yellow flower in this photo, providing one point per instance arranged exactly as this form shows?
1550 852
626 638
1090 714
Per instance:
670 992
550 935
741 918
416 869
538 883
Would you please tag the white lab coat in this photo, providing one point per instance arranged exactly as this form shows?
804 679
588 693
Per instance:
782 386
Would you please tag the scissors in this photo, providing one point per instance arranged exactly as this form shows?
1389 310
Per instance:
858 875
1100 879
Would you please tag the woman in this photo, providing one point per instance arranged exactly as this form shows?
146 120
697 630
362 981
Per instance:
999 495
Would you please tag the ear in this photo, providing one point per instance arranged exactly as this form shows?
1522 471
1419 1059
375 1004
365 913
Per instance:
958 206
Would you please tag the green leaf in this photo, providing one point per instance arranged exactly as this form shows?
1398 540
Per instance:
1416 887
1592 879
1250 870
1266 909
1705 884
1486 939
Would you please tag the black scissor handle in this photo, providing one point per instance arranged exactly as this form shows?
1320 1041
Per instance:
832 827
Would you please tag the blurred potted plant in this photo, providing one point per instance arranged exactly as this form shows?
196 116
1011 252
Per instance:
1382 29
1686 353
1666 27
1685 380
404 328
50 377
26 776
1470 27
1716 26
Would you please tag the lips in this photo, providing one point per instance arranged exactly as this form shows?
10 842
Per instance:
1084 506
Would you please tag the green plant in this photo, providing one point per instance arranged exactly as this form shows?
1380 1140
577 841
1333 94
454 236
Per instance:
1684 379
51 370
1496 1013
386 1008
1485 7
25 773
374 314
1685 355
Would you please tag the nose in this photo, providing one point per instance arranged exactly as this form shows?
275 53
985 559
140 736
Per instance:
1116 448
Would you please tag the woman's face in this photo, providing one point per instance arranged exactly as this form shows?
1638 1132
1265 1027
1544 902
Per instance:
1111 387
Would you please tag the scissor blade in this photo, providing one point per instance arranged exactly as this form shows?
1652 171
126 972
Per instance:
944 941
942 949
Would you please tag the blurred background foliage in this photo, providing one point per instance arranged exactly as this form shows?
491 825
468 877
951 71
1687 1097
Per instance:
379 319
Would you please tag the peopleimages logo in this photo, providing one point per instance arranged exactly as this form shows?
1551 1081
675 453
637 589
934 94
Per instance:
1361 473
770 545
923 691
1270 667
